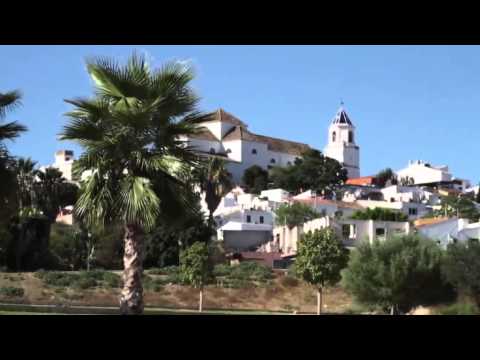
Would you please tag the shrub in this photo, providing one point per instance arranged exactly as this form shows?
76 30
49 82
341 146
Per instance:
11 291
60 279
112 280
237 284
250 270
169 270
222 270
397 274
459 309
461 268
85 283
288 281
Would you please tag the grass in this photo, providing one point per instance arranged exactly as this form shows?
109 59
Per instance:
14 309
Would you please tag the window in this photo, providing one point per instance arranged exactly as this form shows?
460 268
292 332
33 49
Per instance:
350 136
334 136
261 219
412 211
212 151
249 219
346 231
254 151
380 232
272 161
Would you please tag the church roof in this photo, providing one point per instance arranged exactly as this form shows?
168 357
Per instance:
223 116
341 117
273 144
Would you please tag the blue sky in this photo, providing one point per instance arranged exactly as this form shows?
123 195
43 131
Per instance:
407 102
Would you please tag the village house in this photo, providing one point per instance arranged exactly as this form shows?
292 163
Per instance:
351 232
446 230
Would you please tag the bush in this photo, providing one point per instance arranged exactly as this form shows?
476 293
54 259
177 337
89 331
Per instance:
58 279
288 281
222 270
167 270
11 291
397 274
459 309
85 283
461 268
81 280
250 270
237 284
112 280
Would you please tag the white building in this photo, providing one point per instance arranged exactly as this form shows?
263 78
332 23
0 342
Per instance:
226 136
413 210
424 173
352 232
341 143
448 230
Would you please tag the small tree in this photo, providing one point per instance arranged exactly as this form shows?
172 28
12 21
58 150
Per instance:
461 268
477 197
195 268
294 214
255 179
397 274
320 258
386 177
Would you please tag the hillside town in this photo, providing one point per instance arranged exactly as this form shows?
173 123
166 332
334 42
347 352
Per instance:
155 204
247 224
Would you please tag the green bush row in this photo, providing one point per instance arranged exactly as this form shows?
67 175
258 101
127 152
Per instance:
11 291
81 280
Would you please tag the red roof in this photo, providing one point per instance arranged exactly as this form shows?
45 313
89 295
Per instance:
362 181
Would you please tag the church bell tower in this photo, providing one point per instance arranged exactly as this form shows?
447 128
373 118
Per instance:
341 144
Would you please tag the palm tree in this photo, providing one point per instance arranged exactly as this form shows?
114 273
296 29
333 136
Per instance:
130 135
215 181
26 173
52 192
9 131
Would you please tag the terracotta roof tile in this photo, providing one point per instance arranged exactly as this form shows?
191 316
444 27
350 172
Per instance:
361 181
224 116
274 144
429 221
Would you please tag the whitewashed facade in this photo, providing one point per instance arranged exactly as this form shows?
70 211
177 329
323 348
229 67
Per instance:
226 136
341 144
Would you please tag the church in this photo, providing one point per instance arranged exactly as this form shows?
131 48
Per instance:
225 136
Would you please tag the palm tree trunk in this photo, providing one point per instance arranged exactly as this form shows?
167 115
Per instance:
200 302
131 300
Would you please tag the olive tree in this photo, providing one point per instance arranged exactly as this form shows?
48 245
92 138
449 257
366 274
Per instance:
320 258
396 274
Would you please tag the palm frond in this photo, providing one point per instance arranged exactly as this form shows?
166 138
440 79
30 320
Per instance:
95 206
138 202
8 101
11 130
117 82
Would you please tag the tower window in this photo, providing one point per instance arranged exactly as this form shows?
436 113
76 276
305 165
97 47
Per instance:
254 151
334 136
350 136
